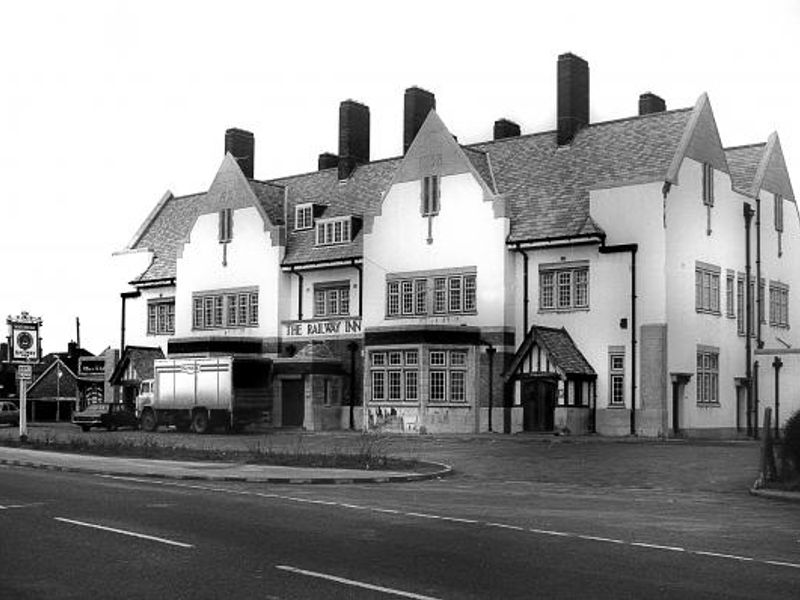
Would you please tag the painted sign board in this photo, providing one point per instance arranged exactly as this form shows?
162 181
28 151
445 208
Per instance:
25 372
323 328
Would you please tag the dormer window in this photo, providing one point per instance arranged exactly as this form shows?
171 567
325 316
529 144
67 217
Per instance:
334 231
430 195
304 216
225 225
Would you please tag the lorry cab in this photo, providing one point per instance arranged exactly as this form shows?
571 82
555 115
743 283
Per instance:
145 396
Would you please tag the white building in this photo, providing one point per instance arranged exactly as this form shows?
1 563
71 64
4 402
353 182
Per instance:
589 278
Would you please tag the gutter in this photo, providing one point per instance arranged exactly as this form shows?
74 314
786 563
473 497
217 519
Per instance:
633 249
299 293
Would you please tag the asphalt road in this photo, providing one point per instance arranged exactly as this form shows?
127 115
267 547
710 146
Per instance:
65 535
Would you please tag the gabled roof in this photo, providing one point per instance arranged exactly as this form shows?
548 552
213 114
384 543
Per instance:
560 347
544 187
547 185
743 162
57 363
141 357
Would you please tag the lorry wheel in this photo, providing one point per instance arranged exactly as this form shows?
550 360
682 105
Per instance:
200 421
84 428
149 422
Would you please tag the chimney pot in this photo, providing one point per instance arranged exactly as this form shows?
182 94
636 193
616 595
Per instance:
241 144
650 103
503 128
573 96
327 160
417 103
353 136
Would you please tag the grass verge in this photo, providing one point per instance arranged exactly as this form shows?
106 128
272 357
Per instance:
369 453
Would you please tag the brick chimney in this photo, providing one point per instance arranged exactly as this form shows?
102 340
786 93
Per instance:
650 103
573 96
327 160
417 103
353 136
503 128
242 146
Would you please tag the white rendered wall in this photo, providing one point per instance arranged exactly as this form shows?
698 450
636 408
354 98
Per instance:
136 318
252 261
465 234
688 242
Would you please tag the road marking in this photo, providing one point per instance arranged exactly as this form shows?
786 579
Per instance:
550 532
658 547
595 538
21 505
354 583
392 511
721 555
124 532
504 526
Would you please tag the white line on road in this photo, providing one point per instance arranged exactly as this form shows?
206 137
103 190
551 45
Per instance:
21 505
658 547
548 532
124 532
361 584
595 538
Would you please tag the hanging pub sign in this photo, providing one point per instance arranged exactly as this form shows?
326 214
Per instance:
24 337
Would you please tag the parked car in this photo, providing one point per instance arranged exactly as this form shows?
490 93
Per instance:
9 413
105 415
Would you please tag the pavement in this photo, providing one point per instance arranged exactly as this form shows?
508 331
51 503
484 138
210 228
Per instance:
206 471
730 466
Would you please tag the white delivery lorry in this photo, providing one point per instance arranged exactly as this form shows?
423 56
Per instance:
201 393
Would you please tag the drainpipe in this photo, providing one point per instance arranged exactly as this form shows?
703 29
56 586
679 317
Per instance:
358 268
759 298
490 352
752 414
124 296
777 364
526 296
299 293
632 248
353 348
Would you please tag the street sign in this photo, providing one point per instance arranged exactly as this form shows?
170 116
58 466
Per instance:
25 372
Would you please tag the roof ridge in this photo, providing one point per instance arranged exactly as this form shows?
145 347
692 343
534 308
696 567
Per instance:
753 145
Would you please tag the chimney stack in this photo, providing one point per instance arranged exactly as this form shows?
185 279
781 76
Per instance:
417 103
573 96
242 145
503 128
327 160
353 136
650 103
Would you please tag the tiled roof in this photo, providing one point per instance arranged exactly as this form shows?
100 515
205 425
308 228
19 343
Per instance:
743 163
170 226
560 347
547 186
360 195
142 358
562 350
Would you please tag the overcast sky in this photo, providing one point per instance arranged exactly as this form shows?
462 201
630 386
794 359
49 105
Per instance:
105 105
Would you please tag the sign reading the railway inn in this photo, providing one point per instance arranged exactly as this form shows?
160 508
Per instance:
297 329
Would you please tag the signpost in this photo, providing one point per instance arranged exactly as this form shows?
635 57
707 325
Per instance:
24 351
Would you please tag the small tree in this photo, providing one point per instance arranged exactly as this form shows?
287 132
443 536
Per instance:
791 443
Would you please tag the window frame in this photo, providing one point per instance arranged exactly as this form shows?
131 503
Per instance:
225 233
225 309
331 299
616 374
430 195
707 374
304 216
564 288
453 293
707 288
161 316
334 231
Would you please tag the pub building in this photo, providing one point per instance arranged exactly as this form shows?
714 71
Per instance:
589 278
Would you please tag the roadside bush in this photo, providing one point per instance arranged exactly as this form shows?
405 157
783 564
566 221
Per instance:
791 442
